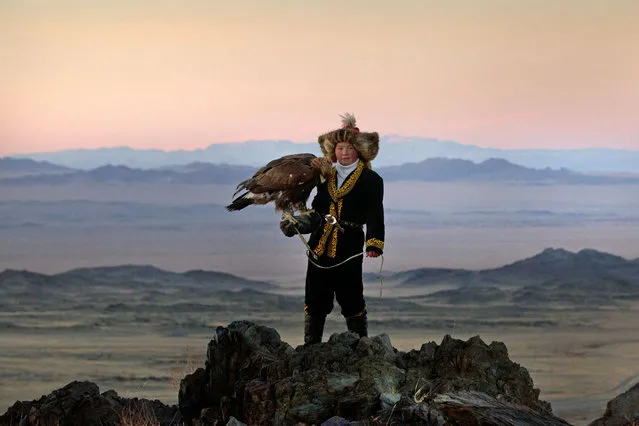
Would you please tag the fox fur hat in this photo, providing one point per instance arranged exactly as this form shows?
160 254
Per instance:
365 143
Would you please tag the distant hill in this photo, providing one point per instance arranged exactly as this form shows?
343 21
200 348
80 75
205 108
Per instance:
490 170
30 288
129 294
190 174
394 151
431 170
549 265
10 166
554 264
551 276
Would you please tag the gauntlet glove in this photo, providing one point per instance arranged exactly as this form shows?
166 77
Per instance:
305 223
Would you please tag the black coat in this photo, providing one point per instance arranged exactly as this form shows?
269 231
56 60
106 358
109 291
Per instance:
358 203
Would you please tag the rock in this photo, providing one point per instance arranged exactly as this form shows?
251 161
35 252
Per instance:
235 422
336 421
259 402
623 410
389 400
348 380
192 393
475 408
80 403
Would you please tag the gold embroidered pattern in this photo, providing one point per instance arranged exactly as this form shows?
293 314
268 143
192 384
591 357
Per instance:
346 187
359 314
374 242
336 195
332 244
321 244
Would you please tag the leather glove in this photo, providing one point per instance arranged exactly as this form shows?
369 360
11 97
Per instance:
305 223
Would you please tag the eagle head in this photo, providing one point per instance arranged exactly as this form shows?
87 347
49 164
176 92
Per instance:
323 166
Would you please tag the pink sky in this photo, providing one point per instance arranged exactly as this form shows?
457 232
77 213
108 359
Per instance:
185 74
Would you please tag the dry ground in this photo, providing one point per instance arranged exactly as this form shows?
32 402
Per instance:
578 371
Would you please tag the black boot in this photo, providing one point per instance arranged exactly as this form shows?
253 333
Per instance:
313 329
358 324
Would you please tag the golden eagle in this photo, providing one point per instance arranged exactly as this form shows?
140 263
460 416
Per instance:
286 181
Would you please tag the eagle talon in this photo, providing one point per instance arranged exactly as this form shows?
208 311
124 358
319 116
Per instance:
289 218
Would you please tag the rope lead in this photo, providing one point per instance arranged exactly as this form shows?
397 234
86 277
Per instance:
309 252
379 274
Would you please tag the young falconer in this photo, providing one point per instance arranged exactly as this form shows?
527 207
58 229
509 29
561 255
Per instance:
347 215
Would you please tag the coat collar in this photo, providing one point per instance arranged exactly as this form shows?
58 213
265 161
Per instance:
348 184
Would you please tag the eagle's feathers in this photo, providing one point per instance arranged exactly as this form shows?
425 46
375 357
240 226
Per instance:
287 182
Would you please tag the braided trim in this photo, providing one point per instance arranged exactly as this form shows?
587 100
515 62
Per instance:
332 244
332 247
346 187
374 242
321 244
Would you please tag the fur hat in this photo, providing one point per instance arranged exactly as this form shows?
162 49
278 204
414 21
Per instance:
365 143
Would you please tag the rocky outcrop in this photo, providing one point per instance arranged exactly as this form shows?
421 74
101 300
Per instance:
622 410
80 403
252 376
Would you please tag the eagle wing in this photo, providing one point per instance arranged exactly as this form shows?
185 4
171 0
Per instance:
285 173
285 180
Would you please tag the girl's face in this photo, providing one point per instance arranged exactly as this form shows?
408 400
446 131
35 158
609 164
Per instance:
345 153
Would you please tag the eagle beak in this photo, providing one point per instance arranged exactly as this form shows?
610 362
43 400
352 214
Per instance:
322 179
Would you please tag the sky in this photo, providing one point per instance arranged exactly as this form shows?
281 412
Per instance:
186 74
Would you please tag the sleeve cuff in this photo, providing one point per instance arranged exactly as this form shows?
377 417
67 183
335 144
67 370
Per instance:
375 245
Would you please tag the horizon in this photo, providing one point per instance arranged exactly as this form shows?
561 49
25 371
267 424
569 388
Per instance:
402 139
187 75
534 255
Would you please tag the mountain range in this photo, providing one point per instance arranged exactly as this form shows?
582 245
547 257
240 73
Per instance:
548 265
549 278
195 173
82 286
200 173
395 150
553 276
14 167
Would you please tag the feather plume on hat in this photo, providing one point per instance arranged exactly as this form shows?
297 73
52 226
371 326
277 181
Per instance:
349 121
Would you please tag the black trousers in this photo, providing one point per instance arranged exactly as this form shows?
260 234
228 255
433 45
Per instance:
343 283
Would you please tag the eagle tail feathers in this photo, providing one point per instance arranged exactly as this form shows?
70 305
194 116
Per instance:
242 185
239 203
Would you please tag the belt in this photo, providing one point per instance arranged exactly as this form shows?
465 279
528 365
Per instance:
351 224
341 223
